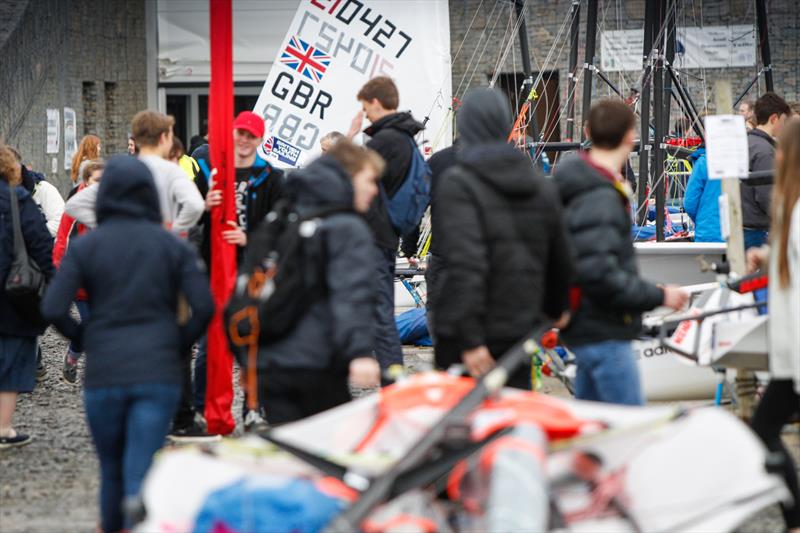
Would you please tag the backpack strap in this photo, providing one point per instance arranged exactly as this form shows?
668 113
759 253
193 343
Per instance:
204 167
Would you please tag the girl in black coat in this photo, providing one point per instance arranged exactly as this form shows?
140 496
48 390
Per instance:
18 335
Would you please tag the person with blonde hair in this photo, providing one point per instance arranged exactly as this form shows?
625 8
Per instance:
781 400
17 332
89 148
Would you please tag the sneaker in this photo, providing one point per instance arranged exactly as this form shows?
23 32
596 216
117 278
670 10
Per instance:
41 370
254 422
193 433
70 369
17 440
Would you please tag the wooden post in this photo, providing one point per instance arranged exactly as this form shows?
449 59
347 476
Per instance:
745 389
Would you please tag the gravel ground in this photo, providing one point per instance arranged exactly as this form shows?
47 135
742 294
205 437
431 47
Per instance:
51 485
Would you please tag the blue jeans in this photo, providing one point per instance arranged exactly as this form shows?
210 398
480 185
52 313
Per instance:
388 349
607 372
128 425
755 237
83 312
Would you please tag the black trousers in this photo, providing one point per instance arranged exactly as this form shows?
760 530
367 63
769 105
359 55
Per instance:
184 416
779 403
289 394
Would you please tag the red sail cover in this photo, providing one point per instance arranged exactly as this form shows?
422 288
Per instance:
219 388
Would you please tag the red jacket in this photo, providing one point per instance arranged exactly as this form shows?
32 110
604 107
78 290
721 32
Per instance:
67 229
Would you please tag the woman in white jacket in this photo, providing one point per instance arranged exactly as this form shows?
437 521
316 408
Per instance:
782 398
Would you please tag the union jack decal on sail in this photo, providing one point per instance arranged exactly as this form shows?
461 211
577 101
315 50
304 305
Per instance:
305 59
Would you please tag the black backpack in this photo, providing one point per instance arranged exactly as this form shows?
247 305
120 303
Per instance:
25 282
279 278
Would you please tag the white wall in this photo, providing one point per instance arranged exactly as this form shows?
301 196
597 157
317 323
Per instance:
259 27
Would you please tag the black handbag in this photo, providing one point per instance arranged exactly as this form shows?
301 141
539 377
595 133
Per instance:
25 282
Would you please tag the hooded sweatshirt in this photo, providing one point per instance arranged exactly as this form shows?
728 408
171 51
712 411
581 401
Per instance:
337 327
133 270
392 138
505 261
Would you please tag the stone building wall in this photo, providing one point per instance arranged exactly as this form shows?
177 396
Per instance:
490 29
85 54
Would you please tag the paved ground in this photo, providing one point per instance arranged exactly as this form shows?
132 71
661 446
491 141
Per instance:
51 485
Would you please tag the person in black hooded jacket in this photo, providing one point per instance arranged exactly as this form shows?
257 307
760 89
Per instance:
392 137
133 271
505 262
307 371
609 297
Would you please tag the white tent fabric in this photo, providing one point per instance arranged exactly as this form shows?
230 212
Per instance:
183 38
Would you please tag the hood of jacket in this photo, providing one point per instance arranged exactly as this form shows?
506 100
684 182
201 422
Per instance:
30 178
697 154
127 190
763 135
574 176
399 121
503 167
323 183
5 195
484 122
484 117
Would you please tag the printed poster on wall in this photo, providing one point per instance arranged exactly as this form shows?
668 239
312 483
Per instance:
695 47
70 136
53 131
332 48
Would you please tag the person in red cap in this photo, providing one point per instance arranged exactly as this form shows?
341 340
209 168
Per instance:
258 187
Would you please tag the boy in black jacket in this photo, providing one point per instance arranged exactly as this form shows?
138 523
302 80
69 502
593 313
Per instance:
133 271
307 371
392 137
609 297
505 263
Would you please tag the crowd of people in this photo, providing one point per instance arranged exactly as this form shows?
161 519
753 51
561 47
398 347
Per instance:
511 250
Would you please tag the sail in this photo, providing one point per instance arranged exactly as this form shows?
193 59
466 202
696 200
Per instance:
333 47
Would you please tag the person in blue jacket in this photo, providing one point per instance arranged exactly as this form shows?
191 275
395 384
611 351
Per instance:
701 200
133 271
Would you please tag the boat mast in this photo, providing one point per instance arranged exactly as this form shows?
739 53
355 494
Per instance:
574 33
526 60
644 135
763 39
588 62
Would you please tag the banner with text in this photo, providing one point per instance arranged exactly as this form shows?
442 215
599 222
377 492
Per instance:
707 47
332 48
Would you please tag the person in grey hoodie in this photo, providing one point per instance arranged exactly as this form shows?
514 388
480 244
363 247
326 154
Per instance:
180 202
770 112
505 263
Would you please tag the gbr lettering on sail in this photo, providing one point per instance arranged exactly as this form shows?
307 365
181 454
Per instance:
331 48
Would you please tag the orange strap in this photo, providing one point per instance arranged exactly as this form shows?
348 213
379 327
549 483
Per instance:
250 313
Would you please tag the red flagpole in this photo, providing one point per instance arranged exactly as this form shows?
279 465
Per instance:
219 382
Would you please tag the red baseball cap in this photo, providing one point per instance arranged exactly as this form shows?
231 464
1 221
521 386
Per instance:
249 121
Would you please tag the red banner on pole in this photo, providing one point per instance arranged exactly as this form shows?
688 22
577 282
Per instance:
219 377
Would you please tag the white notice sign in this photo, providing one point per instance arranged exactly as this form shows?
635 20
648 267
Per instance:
53 128
70 136
726 147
